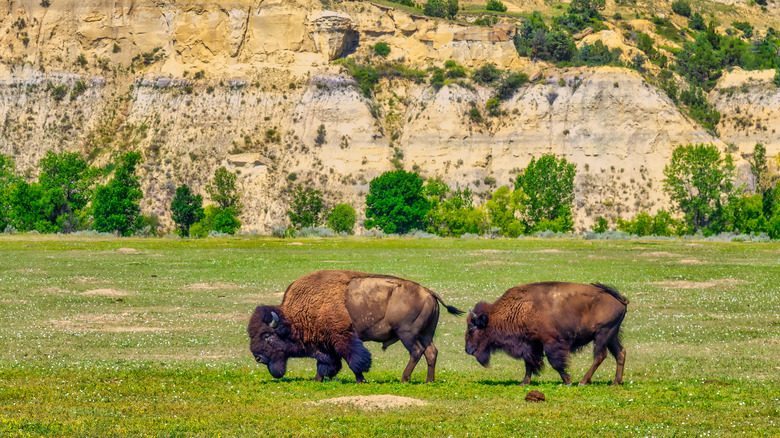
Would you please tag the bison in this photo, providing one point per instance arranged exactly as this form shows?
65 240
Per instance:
327 315
553 319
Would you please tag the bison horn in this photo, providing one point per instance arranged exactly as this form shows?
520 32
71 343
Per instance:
473 315
275 321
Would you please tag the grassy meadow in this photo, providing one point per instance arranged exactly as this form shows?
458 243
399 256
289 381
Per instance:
147 337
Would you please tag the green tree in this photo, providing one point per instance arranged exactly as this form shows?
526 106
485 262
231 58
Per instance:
560 45
698 181
395 202
505 208
116 205
745 214
454 214
69 174
8 180
186 209
495 5
225 220
306 207
222 190
549 185
33 207
587 8
342 219
681 7
441 8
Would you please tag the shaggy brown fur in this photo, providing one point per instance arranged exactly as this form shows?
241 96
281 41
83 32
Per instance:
552 319
328 314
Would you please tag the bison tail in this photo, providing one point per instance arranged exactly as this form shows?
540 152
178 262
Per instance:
612 291
451 309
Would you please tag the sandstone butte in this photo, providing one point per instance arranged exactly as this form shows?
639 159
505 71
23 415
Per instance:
246 84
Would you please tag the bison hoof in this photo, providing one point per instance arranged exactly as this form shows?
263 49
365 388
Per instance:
615 383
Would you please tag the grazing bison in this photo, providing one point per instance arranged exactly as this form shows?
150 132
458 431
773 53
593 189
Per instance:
328 314
553 319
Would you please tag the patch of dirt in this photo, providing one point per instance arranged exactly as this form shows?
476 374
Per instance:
658 254
211 286
684 284
91 280
376 402
497 263
595 257
295 243
691 262
128 251
111 293
548 251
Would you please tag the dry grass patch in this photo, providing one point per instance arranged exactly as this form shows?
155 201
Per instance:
691 262
658 254
211 286
110 293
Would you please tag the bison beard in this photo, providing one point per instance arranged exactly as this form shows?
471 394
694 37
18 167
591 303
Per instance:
552 319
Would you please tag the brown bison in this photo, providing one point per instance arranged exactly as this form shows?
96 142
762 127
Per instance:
553 319
328 314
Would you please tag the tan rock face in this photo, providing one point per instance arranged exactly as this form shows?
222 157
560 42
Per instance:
249 86
333 33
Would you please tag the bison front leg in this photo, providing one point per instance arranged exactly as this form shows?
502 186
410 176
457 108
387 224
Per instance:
357 356
328 365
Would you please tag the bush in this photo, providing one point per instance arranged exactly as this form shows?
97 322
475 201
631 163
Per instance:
510 84
441 8
495 5
681 7
382 49
395 202
342 219
487 74
186 209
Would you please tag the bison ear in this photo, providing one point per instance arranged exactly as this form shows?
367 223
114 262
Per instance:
480 321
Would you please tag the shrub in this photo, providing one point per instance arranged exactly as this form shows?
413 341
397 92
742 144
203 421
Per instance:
509 85
382 49
342 219
681 7
487 74
495 5
441 8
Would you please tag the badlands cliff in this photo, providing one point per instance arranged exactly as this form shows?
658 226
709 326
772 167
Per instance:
246 84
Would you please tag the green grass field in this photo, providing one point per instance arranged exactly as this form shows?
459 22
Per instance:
146 337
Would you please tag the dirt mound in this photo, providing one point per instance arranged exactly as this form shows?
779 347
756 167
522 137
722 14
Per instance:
375 402
128 251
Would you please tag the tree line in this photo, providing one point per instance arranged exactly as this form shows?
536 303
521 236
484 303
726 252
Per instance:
67 198
698 179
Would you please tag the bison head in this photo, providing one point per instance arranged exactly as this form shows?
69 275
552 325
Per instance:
270 339
477 338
